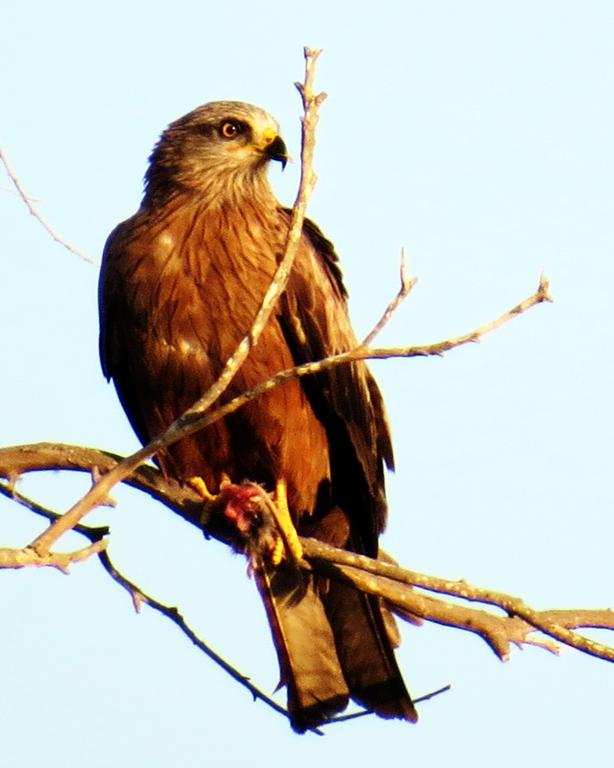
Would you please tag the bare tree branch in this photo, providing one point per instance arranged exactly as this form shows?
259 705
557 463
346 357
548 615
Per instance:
25 556
28 203
200 421
195 419
140 597
385 579
40 457
407 285
399 587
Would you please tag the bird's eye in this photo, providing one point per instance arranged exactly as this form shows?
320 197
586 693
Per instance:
230 129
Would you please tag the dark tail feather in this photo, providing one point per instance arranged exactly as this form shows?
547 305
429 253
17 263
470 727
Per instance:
305 647
365 652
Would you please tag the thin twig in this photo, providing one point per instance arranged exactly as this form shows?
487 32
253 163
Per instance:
407 284
200 421
28 203
173 614
92 533
365 712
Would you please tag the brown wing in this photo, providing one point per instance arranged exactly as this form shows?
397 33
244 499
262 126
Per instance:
348 403
345 398
118 320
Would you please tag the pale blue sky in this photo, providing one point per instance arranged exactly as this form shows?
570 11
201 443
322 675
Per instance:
478 135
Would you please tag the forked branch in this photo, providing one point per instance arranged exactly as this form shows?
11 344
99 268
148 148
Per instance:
404 590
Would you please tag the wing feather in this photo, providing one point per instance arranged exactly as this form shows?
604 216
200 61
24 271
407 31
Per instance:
346 399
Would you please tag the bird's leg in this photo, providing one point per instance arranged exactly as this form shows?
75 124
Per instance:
288 542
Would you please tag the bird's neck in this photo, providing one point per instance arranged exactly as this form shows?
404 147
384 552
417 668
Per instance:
227 189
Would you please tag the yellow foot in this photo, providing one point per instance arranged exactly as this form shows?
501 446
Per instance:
288 544
201 489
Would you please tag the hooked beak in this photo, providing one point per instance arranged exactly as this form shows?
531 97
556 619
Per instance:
276 150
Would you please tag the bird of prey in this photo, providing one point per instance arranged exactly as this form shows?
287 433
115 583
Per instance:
181 283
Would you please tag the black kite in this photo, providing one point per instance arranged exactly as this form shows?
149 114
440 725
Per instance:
180 286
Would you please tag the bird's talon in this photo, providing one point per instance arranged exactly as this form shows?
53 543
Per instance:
199 485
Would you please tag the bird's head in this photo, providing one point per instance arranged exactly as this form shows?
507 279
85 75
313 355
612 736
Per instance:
217 150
